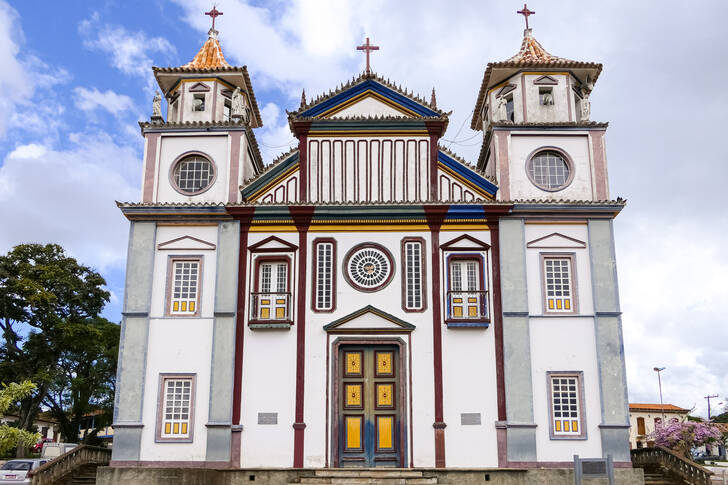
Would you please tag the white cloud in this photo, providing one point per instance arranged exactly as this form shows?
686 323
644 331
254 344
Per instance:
67 196
93 99
130 52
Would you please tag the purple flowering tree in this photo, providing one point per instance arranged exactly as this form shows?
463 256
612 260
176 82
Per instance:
681 437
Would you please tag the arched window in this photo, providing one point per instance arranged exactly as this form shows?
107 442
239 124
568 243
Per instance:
193 174
549 170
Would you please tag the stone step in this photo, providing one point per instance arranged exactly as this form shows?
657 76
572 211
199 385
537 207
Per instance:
366 481
369 473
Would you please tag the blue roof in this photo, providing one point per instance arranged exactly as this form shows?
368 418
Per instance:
467 173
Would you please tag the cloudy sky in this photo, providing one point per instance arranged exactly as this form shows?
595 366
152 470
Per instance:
76 78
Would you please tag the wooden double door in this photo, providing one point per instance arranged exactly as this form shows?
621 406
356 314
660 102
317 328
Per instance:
369 417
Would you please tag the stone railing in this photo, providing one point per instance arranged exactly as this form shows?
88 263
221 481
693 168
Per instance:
63 466
674 464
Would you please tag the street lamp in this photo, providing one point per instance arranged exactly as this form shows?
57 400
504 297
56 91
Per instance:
659 381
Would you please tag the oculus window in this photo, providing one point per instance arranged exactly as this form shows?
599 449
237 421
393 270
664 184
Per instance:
368 267
193 174
549 170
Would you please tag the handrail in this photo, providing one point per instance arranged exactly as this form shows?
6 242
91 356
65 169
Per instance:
672 462
62 466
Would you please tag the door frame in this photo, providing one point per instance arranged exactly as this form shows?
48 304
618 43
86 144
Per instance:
401 399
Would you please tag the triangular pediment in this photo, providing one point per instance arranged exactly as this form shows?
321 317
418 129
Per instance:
505 90
272 244
368 96
545 80
369 320
186 243
199 88
465 242
556 240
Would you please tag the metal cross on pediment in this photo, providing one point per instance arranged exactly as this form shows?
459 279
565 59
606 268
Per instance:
367 47
214 13
526 12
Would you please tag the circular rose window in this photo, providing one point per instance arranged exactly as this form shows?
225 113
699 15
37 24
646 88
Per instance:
368 267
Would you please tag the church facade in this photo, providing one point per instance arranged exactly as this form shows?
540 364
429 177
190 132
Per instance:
370 298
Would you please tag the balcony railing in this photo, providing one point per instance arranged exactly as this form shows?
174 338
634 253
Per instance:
467 306
270 307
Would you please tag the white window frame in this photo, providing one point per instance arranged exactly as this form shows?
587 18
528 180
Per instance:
562 427
272 304
185 422
185 307
559 304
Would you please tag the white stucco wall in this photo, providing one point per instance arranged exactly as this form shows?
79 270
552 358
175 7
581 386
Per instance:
576 146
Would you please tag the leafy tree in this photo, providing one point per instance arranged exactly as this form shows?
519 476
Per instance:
49 316
681 437
12 437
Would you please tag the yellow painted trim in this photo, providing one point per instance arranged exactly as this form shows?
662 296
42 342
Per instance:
368 228
342 133
273 228
461 227
262 191
361 96
464 181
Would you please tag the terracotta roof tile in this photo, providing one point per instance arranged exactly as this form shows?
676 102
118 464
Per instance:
656 407
531 51
210 55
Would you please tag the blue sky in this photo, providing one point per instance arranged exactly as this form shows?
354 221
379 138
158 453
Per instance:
76 79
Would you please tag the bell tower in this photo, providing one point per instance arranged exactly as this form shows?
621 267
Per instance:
206 147
538 139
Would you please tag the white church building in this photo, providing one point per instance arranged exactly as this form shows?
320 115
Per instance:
370 299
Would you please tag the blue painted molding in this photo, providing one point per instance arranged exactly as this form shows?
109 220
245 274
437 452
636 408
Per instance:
378 88
256 185
467 173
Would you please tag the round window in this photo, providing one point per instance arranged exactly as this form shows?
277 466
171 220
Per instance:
193 174
549 170
368 267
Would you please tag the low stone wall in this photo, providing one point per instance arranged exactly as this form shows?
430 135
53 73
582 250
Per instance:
198 476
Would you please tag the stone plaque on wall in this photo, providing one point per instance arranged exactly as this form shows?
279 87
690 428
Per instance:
470 419
267 418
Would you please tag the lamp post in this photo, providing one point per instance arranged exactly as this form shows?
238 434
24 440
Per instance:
659 381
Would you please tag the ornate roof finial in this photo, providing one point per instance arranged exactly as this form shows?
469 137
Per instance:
526 12
214 13
367 47
433 99
303 98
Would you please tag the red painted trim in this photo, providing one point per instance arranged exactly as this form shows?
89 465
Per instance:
303 162
314 274
501 434
287 247
600 165
327 422
523 97
302 216
150 166
434 193
411 418
451 245
504 179
233 183
245 216
435 216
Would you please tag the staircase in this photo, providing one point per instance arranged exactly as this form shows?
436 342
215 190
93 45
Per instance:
365 476
76 467
665 467
656 478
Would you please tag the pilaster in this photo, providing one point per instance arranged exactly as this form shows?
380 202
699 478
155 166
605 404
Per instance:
614 427
521 429
223 344
131 371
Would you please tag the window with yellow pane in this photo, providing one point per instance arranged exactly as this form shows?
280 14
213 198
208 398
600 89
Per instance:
176 407
559 283
184 287
566 405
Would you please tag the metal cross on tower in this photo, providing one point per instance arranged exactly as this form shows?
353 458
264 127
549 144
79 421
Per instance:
367 47
526 12
214 13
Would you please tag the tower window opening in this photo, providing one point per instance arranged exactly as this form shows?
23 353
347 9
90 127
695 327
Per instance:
227 110
509 108
198 103
546 96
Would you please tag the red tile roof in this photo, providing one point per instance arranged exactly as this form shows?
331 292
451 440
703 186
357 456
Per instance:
657 407
532 52
210 55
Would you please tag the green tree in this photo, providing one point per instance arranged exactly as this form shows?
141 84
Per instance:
11 437
49 311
